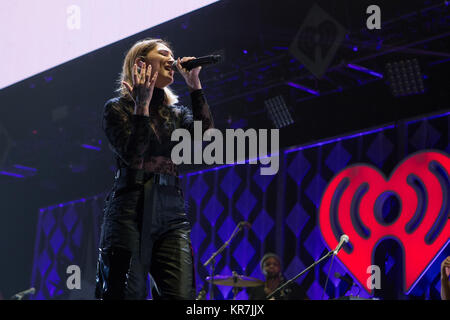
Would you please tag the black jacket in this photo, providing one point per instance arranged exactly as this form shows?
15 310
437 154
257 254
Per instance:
141 142
142 145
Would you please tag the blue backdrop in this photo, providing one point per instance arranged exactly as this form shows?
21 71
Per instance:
282 210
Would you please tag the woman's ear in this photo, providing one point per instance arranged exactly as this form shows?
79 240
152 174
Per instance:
138 59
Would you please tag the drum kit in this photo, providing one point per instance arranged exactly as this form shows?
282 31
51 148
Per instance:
236 281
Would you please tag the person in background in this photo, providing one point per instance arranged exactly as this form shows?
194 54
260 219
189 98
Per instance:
271 268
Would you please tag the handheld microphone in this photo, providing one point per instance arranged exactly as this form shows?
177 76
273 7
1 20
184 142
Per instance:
194 63
344 239
245 224
20 295
339 276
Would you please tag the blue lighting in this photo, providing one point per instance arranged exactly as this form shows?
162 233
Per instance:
280 48
298 86
428 267
429 118
87 146
11 174
65 204
439 62
210 169
245 51
325 142
18 166
363 69
355 48
319 144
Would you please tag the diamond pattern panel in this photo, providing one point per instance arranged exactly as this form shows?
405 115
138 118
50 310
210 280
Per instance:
57 240
262 181
243 253
425 137
208 253
298 167
225 290
262 225
68 235
227 228
297 219
70 218
315 189
48 222
213 209
316 292
295 267
230 182
200 188
304 178
246 203
380 149
338 158
314 244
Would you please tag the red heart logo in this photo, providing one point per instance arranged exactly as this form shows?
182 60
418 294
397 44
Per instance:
353 201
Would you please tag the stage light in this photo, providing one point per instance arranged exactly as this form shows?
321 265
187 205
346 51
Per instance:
19 166
278 112
364 69
304 88
11 174
405 78
87 146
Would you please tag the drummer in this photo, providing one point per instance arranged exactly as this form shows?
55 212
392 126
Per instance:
271 268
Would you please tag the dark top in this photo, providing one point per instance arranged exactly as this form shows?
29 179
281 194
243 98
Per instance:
291 292
142 142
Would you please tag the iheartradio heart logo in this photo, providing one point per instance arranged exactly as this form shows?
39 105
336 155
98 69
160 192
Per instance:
353 204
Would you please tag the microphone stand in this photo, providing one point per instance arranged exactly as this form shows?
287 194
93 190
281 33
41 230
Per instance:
300 274
213 258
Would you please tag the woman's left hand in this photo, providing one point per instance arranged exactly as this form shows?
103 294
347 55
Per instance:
191 76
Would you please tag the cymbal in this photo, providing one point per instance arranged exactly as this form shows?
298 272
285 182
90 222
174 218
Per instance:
235 281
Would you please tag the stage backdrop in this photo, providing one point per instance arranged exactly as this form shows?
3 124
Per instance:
283 211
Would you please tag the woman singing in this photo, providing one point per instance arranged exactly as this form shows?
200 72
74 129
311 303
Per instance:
145 227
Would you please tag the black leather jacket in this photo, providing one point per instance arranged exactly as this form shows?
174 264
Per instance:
143 143
143 147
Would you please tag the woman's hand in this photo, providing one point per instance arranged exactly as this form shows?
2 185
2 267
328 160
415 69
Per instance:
191 76
142 89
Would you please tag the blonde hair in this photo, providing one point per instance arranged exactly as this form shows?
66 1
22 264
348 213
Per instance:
141 49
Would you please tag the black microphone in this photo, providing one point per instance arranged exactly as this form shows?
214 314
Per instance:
194 63
339 276
20 295
245 224
344 239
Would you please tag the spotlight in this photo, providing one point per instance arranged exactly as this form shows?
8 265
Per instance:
405 78
278 112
